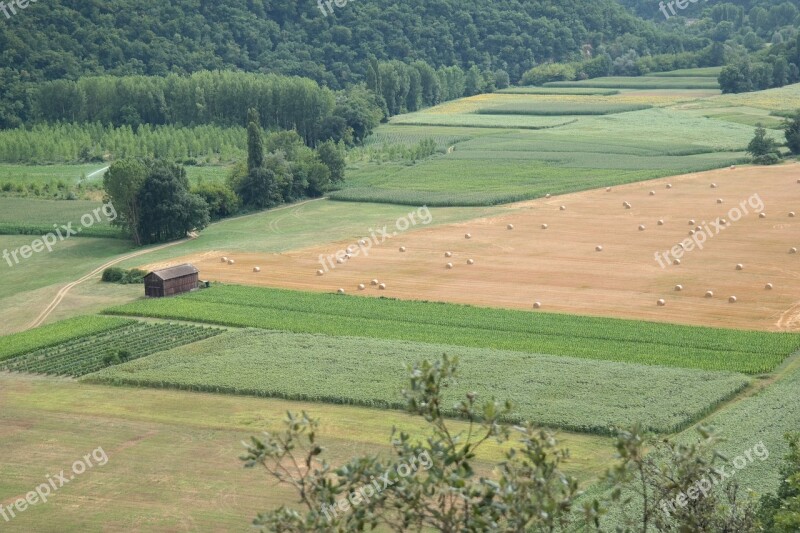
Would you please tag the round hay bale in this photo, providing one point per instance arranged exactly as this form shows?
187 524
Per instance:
791 214
626 205
510 226
661 302
793 250
224 259
347 256
713 185
732 299
448 254
642 227
692 232
449 266
678 288
739 266
402 249
652 193
256 269
598 248
340 261
362 242
762 215
733 167
676 262
374 282
723 221
470 261
669 185
545 226
548 195
709 294
361 286
698 228
563 208
692 222
680 244
350 249
768 286
719 200
660 222
320 273
231 262
608 189
468 236
537 305
382 287
340 291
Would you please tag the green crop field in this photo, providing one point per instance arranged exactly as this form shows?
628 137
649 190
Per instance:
642 82
559 90
359 371
561 109
86 354
58 333
703 72
539 333
26 216
42 174
423 118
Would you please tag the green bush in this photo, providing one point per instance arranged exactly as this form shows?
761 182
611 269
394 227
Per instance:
113 274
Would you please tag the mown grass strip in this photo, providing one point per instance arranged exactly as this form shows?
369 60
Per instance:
541 333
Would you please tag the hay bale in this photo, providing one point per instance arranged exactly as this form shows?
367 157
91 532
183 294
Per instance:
678 288
791 214
676 262
510 226
361 286
449 266
709 294
793 250
762 215
340 291
340 261
382 287
669 185
350 249
563 208
598 248
608 189
224 259
661 302
347 256
642 227
320 273
680 244
537 305
470 261
548 195
768 286
698 228
732 299
362 242
739 266
256 269
713 185
374 282
545 226
402 249
692 222
719 200
733 167
692 232
626 205
468 236
723 221
652 193
660 222
231 261
448 254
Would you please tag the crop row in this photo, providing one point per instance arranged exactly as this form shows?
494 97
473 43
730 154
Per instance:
459 325
574 394
58 333
89 354
536 108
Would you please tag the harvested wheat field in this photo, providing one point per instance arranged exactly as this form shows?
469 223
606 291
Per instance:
586 253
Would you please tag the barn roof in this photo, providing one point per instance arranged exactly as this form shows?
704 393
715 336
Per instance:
175 272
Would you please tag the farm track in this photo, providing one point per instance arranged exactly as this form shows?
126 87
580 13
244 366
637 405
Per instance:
65 290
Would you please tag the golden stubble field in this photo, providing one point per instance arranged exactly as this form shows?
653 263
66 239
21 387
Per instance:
560 266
